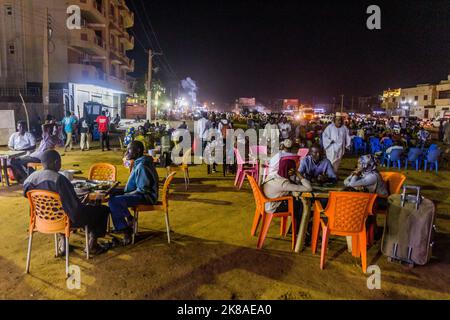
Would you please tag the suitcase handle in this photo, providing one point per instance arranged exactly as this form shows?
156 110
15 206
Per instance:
404 197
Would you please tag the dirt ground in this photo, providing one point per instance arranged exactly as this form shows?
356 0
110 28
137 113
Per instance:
212 255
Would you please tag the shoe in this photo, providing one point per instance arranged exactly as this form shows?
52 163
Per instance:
98 249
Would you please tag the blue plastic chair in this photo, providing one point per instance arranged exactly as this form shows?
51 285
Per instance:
395 157
413 156
387 143
432 158
433 147
375 145
359 145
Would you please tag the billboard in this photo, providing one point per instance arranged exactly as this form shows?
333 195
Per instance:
247 102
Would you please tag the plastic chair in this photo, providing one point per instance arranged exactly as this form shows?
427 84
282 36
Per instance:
345 215
33 165
433 159
47 216
375 145
103 172
159 206
413 156
260 213
241 171
394 181
184 166
387 143
302 153
294 158
261 151
359 145
395 157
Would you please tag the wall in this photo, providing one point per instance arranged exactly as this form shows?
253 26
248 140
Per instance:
34 110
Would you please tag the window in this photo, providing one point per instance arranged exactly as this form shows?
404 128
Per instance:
9 10
403 98
84 37
425 97
12 49
416 98
394 99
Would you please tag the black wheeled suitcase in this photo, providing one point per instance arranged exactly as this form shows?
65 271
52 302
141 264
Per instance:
409 228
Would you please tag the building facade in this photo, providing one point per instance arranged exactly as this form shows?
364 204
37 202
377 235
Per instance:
442 101
418 101
86 63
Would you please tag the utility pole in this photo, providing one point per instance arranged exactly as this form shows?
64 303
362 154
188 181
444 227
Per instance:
45 80
149 86
342 103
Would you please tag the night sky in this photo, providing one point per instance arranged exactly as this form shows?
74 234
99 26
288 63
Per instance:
294 49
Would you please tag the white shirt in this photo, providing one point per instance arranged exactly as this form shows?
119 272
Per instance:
285 129
276 187
335 141
19 142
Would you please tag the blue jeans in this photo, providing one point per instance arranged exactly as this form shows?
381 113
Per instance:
119 205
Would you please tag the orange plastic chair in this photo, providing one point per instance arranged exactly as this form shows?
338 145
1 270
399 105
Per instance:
103 172
394 181
159 206
184 167
47 216
33 165
260 213
345 215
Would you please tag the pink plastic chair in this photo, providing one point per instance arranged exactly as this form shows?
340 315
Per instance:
242 171
261 151
303 153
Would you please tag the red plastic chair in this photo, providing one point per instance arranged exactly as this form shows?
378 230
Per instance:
260 213
243 169
345 215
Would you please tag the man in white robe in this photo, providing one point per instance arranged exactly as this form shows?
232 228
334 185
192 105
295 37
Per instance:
336 139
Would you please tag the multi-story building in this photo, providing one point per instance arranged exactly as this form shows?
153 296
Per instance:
85 64
418 101
442 101
391 101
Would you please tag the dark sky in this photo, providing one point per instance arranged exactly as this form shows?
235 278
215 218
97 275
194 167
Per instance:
296 49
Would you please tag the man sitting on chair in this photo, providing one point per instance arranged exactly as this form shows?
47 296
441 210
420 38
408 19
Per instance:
80 215
141 189
316 168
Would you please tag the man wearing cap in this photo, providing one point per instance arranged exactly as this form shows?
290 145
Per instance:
336 139
286 148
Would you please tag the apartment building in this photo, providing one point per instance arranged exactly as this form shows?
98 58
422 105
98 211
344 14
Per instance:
418 101
442 101
89 63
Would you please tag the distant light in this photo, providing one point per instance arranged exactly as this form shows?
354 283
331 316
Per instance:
168 104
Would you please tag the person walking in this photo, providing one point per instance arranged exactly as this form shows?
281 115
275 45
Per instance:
103 129
68 122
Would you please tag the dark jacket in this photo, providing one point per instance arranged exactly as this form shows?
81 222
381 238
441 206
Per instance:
52 181
144 180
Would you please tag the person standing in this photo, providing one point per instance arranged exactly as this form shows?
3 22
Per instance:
68 123
103 129
85 134
336 139
285 129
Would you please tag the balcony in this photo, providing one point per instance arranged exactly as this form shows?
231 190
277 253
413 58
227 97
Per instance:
128 65
127 40
91 9
442 102
87 41
128 17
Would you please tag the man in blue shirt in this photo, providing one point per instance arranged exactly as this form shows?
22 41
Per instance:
142 188
316 168
68 122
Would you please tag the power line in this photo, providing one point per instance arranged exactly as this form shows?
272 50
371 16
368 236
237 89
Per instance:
156 38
